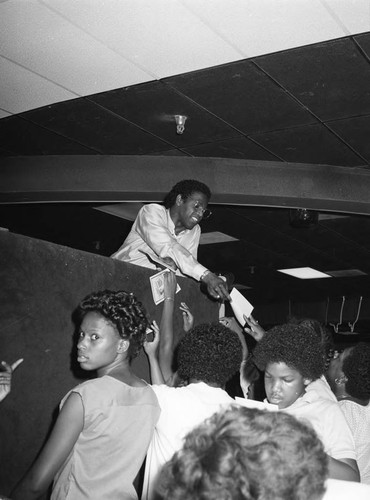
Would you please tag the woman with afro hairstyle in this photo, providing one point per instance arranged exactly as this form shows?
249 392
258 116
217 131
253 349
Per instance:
104 426
349 377
291 357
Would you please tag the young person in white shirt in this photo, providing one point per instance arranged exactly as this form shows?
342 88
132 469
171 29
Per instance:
171 231
291 357
207 357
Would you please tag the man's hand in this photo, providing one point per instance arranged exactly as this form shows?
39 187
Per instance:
6 377
216 286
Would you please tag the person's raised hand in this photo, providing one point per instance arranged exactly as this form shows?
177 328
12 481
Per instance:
187 316
254 329
169 284
151 347
6 374
231 323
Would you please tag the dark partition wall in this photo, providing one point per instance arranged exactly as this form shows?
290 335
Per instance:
41 284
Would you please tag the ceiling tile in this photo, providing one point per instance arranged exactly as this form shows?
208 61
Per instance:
63 53
163 37
27 90
331 79
153 106
355 131
364 42
242 95
22 137
242 148
308 144
95 127
265 26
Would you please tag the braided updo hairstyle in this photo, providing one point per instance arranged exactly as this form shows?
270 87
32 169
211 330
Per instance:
123 310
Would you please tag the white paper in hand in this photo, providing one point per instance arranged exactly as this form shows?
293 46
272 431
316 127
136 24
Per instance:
240 305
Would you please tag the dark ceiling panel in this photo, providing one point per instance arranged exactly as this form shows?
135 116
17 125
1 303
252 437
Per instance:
242 95
22 137
242 148
331 78
95 127
153 107
363 41
354 131
309 144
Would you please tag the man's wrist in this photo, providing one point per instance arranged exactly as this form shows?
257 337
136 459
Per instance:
206 272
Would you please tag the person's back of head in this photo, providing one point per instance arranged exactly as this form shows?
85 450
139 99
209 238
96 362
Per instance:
247 454
356 368
210 353
186 188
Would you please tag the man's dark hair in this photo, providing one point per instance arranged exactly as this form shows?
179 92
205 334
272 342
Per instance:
186 188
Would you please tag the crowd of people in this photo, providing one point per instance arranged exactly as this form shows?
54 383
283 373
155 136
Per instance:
184 432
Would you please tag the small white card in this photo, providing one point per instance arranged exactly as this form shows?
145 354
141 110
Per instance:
240 305
157 284
251 403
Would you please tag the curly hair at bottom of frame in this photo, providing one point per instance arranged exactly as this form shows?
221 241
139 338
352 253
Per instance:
247 454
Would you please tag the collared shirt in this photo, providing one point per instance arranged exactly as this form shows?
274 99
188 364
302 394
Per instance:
153 233
326 418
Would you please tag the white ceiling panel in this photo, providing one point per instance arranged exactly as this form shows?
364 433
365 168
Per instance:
4 114
89 46
22 90
53 47
161 36
257 27
353 15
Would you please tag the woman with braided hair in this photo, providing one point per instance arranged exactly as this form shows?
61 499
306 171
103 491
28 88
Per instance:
104 427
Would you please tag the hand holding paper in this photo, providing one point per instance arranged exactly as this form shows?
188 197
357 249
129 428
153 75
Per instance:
240 305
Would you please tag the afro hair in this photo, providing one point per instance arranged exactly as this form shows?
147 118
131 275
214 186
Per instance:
295 345
209 352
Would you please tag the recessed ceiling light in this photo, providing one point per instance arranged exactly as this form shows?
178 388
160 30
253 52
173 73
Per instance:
304 273
215 237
